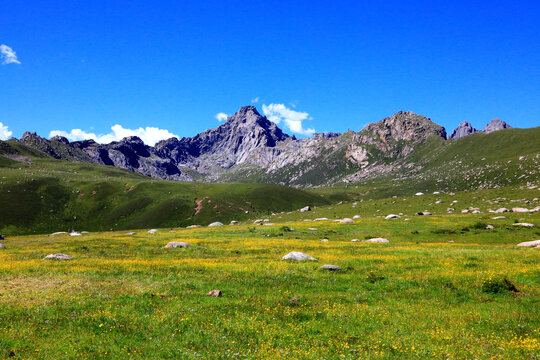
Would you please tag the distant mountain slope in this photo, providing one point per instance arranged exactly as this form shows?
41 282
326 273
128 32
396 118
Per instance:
40 194
250 148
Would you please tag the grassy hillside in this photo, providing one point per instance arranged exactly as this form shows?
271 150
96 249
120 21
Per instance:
40 195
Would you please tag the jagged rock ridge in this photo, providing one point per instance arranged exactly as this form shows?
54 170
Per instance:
249 147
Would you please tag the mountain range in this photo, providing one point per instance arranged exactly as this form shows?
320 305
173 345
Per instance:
249 147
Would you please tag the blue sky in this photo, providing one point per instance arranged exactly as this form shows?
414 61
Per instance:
323 66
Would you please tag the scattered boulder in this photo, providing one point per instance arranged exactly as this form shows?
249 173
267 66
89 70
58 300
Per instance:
233 222
490 227
131 233
305 208
298 256
377 240
534 243
324 240
501 210
74 233
269 224
498 217
216 223
258 221
392 216
464 211
356 240
419 194
438 202
347 221
175 244
331 267
356 217
523 224
520 210
321 219
214 293
57 257
152 231
476 211
59 233
193 226
312 229
2 246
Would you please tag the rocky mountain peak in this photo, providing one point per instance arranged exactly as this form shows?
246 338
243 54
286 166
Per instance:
60 139
496 124
463 129
404 125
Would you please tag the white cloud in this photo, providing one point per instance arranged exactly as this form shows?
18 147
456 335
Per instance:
292 119
150 135
221 116
4 132
254 101
7 55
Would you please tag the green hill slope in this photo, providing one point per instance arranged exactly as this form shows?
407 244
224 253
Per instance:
40 194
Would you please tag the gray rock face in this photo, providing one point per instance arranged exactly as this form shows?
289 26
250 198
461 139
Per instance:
175 244
327 135
462 130
495 125
298 256
57 257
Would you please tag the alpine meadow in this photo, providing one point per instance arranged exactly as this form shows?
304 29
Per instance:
269 180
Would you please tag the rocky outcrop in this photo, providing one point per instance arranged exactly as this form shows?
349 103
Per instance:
462 130
495 125
326 135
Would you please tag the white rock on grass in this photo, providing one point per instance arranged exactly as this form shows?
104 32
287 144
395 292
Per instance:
217 223
175 244
324 240
501 210
57 257
392 216
193 226
377 240
419 194
347 221
305 208
523 224
490 227
520 210
152 231
312 229
2 246
298 256
321 219
58 233
534 243
331 267
356 217
233 222
356 240
74 233
131 233
498 217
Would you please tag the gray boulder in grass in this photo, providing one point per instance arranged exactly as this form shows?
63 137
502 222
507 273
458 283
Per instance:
331 267
298 256
175 244
534 243
377 240
217 223
57 257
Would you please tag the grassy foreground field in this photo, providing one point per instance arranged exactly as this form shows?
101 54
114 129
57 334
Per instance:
432 292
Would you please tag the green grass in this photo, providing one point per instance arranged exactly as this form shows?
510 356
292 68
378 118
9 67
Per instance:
43 195
427 294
